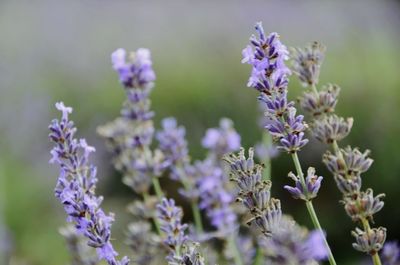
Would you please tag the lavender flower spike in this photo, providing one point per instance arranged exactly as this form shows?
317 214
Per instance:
76 186
182 250
269 76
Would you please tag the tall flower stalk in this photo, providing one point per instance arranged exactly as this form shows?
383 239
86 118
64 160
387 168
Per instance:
181 250
269 76
346 164
130 137
76 186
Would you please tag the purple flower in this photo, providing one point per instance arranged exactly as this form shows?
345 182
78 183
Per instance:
314 246
136 70
214 198
172 141
269 76
130 136
75 187
170 218
222 140
267 59
291 244
391 253
308 190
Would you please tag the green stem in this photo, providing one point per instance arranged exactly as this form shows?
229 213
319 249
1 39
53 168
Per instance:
197 217
337 149
157 188
235 250
156 223
195 210
267 142
258 259
311 209
314 89
376 259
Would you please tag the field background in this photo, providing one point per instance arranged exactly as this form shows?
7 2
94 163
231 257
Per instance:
60 50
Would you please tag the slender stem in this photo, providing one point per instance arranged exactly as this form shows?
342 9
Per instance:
337 149
267 142
197 217
157 188
258 259
156 223
311 210
232 244
195 210
376 259
314 89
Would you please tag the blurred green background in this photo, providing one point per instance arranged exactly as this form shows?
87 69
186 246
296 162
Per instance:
60 50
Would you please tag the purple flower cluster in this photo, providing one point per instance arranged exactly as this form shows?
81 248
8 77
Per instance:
170 217
172 142
269 77
131 135
292 244
222 140
285 241
308 190
135 69
215 199
268 58
182 249
76 187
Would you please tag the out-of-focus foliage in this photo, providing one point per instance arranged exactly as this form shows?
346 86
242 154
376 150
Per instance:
61 51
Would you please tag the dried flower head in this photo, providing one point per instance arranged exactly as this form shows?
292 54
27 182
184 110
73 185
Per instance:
322 102
331 128
253 192
364 206
307 63
370 241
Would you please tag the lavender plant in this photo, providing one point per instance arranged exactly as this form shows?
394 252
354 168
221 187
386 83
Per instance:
269 76
346 164
157 233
